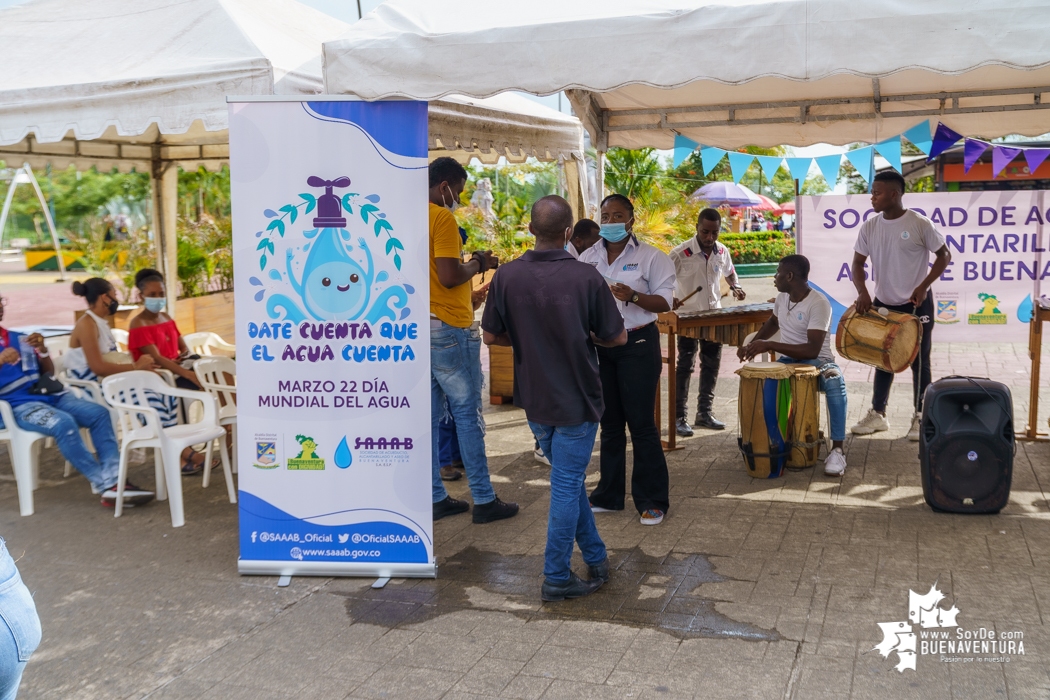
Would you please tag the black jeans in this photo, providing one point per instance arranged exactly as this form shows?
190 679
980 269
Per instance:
710 360
630 378
920 369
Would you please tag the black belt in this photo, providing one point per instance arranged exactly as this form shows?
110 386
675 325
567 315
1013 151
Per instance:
641 328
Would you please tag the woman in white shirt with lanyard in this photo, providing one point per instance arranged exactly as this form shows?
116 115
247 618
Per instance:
642 280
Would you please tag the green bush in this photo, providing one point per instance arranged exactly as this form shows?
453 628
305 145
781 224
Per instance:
758 247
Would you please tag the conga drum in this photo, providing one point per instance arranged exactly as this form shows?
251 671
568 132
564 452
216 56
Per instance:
886 339
765 408
804 430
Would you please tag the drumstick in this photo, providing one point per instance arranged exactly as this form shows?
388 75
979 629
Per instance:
690 295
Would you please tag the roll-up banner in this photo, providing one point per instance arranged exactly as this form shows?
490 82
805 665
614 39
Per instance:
999 257
333 363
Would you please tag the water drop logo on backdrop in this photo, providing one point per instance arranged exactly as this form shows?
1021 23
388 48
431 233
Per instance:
328 278
343 456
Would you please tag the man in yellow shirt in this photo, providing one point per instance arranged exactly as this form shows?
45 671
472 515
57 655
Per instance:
455 349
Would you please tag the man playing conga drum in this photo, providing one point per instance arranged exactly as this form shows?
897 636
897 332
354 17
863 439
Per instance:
699 263
803 317
899 242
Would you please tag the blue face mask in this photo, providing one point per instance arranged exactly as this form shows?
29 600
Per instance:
614 233
155 304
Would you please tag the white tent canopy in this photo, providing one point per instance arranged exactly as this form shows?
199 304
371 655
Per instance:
144 86
727 73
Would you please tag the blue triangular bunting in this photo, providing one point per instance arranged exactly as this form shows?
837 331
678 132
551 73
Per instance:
710 157
919 135
890 149
799 168
770 165
861 159
682 148
943 139
739 163
829 168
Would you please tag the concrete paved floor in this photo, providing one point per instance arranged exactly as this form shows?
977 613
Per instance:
764 589
761 589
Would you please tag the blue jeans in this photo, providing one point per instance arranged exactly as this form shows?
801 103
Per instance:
448 441
834 387
569 449
63 422
19 626
455 374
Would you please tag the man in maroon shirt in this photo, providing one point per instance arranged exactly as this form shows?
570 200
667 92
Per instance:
545 304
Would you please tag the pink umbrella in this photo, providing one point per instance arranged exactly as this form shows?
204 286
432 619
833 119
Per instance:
766 205
785 208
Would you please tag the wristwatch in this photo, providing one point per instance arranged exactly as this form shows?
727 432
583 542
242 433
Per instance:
634 298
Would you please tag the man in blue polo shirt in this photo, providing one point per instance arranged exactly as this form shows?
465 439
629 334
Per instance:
547 305
61 416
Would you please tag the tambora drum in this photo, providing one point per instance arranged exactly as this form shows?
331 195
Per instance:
885 339
765 408
804 421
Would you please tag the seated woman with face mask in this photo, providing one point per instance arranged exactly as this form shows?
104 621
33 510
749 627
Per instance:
154 334
93 355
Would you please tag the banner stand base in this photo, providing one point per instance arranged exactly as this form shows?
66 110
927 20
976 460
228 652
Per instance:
379 571
284 581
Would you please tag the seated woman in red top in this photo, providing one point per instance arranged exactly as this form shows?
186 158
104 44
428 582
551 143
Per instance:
152 332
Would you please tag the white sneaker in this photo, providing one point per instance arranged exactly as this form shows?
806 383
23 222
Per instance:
874 422
540 457
835 463
916 425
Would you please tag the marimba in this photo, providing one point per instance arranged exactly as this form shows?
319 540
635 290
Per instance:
729 326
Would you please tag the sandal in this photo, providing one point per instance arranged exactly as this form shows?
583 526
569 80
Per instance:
190 467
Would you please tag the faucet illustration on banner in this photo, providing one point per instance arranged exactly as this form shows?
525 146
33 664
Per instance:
333 285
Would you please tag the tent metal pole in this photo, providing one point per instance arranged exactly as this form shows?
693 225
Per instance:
7 205
50 222
164 179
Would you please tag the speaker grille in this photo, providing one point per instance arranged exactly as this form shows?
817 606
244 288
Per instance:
969 466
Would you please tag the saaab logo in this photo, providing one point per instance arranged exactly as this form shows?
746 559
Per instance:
989 314
932 630
307 459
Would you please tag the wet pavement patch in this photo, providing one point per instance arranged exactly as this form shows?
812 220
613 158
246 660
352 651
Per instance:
643 591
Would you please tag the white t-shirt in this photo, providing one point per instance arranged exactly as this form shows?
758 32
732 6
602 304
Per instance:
812 313
692 269
900 253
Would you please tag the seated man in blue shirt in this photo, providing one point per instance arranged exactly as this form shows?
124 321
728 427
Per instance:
61 416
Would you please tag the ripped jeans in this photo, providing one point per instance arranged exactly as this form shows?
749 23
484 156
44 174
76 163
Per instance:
455 374
63 421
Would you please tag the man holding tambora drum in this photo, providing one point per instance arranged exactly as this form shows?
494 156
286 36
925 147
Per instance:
899 242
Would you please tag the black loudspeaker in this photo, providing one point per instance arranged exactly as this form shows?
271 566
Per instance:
966 445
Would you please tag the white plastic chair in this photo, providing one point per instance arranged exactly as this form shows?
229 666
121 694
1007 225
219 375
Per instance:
121 338
211 375
205 343
126 393
24 450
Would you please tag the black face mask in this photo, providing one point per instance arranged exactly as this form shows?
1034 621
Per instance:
113 307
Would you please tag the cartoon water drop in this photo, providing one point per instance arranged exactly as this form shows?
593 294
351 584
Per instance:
333 285
1024 311
343 457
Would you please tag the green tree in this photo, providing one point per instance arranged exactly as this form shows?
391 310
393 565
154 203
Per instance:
633 173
